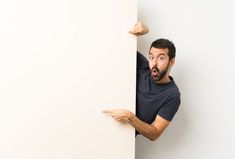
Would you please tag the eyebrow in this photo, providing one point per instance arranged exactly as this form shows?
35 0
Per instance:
158 54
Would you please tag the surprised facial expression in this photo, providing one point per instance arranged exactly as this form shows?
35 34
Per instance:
158 63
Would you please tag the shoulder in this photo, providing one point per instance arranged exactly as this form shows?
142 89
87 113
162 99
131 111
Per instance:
173 89
172 94
170 90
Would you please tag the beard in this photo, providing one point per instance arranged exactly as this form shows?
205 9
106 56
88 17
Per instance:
156 74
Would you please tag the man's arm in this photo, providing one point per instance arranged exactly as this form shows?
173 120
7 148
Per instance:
152 131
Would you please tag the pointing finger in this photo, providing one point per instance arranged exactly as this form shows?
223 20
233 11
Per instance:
107 111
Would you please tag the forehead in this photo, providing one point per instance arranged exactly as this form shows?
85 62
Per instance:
158 51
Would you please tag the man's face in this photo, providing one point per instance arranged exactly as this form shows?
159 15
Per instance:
159 63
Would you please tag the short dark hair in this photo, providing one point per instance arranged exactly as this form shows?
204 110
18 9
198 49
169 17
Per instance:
163 44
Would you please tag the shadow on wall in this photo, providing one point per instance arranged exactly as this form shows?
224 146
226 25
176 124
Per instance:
173 136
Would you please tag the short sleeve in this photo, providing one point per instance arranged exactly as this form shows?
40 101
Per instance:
169 108
142 62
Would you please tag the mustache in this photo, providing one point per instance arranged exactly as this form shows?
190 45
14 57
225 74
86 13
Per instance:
154 68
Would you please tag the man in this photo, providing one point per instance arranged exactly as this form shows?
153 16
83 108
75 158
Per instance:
158 97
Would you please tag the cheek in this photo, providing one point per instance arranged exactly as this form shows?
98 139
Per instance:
150 65
163 66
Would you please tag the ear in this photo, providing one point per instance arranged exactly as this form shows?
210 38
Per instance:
172 62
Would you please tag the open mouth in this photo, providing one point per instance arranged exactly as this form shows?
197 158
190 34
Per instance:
154 72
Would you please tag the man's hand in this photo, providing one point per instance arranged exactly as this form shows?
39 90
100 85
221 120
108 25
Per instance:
122 115
139 29
151 131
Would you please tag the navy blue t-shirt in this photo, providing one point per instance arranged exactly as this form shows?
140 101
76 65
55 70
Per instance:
153 98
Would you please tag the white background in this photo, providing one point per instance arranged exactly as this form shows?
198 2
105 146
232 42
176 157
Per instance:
61 63
203 32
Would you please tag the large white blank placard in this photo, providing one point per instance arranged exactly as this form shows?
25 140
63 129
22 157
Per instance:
61 63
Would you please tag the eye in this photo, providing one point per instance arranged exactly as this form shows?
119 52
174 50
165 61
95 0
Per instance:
161 58
150 57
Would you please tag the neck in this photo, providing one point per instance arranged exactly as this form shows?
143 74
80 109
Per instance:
165 79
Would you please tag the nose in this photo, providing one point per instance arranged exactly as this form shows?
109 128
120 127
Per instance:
155 62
